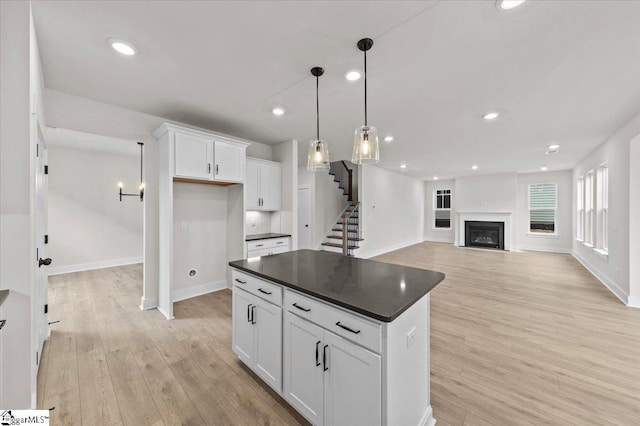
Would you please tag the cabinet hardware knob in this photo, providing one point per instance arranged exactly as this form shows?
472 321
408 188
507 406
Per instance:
301 308
347 328
264 291
45 262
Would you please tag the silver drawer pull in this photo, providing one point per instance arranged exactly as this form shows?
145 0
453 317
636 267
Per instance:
240 281
347 328
280 242
259 245
264 291
301 308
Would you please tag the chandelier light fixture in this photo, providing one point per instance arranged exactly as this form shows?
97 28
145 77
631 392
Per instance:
140 188
318 158
365 143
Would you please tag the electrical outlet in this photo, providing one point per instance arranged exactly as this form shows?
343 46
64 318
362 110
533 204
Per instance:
411 337
183 225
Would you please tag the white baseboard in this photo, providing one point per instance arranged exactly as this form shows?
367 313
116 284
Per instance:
612 286
440 240
57 270
544 249
374 253
149 303
427 419
634 302
198 290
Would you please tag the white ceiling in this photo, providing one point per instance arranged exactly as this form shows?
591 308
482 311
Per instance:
559 72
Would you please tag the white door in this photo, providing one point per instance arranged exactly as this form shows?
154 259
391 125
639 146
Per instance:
352 384
303 348
194 156
243 312
270 186
229 162
252 186
268 342
304 218
42 278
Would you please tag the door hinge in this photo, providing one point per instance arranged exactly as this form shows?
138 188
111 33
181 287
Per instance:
46 308
46 170
46 239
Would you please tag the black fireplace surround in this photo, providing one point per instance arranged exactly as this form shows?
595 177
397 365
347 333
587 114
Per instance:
484 234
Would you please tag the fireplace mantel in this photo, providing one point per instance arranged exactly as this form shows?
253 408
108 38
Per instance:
506 217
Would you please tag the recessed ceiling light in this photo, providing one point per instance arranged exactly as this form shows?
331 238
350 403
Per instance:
491 115
435 178
474 167
353 75
553 147
388 138
277 111
509 4
123 47
544 168
403 166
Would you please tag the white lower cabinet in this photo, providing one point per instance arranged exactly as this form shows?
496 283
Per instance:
257 336
330 380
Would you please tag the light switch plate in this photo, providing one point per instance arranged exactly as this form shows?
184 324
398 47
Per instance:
183 225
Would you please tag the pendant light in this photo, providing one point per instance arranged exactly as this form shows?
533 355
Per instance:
318 158
365 143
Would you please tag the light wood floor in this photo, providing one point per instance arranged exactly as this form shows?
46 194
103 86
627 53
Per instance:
517 339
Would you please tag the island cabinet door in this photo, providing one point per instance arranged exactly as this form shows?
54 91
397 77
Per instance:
352 384
243 314
268 342
303 382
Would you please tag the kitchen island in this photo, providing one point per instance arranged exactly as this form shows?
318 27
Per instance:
344 340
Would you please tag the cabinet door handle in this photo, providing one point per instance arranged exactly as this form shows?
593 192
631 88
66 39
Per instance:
318 353
264 291
301 308
253 314
249 313
259 245
347 328
280 242
208 167
240 281
324 358
216 169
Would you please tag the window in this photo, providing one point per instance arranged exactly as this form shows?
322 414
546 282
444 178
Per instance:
542 208
602 192
442 208
580 209
588 206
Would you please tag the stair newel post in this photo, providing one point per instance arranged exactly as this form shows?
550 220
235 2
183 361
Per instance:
350 184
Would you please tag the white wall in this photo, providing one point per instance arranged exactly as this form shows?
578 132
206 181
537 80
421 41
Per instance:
203 244
286 220
634 225
257 222
430 232
487 194
392 211
77 113
89 227
561 242
613 270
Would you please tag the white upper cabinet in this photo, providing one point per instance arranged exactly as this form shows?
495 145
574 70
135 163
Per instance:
229 162
263 185
193 156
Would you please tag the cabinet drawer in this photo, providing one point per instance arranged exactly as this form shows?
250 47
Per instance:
267 244
261 288
359 330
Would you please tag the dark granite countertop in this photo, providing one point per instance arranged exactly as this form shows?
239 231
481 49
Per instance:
375 289
3 295
266 236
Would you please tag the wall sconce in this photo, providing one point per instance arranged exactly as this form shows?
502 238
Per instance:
141 187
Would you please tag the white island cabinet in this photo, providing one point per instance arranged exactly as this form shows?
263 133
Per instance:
335 366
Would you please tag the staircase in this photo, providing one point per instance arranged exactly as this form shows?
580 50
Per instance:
345 234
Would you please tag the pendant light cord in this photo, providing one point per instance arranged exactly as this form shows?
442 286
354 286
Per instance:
317 108
365 88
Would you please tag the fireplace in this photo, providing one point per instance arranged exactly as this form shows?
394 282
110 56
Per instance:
484 234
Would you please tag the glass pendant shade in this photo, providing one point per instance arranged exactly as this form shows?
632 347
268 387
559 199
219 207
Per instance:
318 158
365 146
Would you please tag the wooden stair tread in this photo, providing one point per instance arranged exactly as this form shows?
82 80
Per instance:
335 237
339 245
